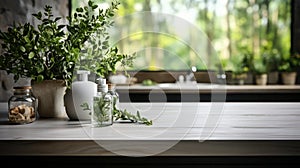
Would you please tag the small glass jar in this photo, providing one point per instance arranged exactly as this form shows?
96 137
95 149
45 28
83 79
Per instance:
102 110
114 95
22 106
102 113
117 115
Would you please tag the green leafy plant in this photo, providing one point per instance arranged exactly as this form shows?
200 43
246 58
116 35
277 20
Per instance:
240 66
118 114
102 110
97 55
125 115
259 67
52 50
37 53
290 63
104 64
271 59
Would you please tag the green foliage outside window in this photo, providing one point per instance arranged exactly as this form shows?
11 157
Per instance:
260 28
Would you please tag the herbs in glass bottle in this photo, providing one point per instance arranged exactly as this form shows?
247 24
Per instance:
22 106
102 111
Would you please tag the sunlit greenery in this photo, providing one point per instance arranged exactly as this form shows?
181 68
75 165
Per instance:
232 29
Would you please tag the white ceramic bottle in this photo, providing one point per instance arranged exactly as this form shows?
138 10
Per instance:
83 92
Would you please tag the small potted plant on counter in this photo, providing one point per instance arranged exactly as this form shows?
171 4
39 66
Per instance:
272 59
261 72
43 55
240 69
288 69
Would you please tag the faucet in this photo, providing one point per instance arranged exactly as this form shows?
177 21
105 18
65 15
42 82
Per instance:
221 76
190 77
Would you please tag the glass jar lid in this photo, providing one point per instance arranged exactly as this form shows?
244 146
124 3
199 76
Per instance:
22 87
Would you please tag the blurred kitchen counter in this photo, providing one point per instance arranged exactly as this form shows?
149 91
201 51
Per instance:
172 92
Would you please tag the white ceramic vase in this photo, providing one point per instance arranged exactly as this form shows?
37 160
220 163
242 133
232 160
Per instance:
50 95
261 79
289 78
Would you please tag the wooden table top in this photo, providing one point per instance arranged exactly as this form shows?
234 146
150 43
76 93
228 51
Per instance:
175 121
223 127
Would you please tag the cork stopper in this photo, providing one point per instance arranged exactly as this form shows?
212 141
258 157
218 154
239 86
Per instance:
111 86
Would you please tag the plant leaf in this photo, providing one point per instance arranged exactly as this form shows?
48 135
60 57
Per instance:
22 49
31 55
40 78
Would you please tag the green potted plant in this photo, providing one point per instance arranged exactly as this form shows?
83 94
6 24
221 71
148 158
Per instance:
41 55
272 60
49 53
288 68
98 57
240 69
239 75
260 71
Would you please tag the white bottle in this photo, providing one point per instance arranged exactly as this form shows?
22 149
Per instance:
83 92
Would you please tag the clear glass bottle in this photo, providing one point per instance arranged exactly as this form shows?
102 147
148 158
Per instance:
115 101
102 111
114 94
22 106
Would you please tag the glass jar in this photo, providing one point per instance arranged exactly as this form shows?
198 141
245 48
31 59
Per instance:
102 113
22 106
102 110
114 95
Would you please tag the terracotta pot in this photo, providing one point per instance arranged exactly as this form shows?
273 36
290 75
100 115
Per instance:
288 78
50 95
261 79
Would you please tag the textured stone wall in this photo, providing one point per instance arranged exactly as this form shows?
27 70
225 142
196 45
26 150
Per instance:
20 11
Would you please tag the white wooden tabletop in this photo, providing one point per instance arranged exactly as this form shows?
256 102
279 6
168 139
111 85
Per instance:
174 121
